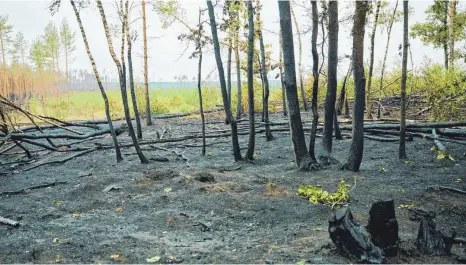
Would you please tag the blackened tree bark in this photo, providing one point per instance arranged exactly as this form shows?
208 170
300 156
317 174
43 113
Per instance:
199 80
265 79
229 72
357 143
332 79
131 78
300 56
301 154
315 74
99 83
404 63
252 136
282 73
223 86
371 62
122 77
342 97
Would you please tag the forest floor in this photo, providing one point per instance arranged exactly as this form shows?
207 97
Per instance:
214 211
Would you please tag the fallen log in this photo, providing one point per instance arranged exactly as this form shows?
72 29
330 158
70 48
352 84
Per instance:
437 142
32 188
352 238
61 161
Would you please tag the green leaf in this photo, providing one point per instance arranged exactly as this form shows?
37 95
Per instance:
153 259
382 169
167 190
301 262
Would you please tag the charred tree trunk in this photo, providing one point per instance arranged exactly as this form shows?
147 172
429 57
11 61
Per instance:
99 82
282 73
229 74
146 70
199 80
265 79
315 83
371 62
131 81
332 79
122 77
342 98
239 109
392 20
302 157
221 73
300 56
404 63
357 143
383 227
252 133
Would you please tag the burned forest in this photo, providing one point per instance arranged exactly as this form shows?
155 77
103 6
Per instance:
216 132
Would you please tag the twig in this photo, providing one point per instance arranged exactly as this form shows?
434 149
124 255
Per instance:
32 188
446 188
175 152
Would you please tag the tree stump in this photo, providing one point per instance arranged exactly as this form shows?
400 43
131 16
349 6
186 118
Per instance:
429 239
383 227
352 238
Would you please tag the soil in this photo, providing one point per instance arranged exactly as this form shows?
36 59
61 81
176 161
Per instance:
216 210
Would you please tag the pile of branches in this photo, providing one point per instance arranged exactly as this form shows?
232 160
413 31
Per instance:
45 134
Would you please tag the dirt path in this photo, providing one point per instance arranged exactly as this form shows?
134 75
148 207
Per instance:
213 212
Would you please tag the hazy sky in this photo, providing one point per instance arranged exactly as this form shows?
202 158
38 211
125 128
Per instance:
31 17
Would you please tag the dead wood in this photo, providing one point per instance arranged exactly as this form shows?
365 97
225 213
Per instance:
61 161
174 152
7 221
383 226
429 239
32 188
437 142
446 188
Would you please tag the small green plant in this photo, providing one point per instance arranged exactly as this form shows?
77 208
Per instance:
444 155
318 195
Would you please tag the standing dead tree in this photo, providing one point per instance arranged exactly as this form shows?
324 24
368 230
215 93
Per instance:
402 147
221 73
300 66
315 83
252 136
122 76
146 74
371 61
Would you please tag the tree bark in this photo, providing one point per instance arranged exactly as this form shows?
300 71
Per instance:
239 109
199 79
342 98
332 79
99 82
371 62
392 20
285 111
122 77
221 73
229 74
300 67
131 81
404 63
265 79
315 74
451 32
301 154
252 136
445 44
146 71
357 143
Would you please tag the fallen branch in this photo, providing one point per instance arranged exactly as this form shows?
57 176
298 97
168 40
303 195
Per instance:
7 221
446 188
32 188
437 142
61 161
175 152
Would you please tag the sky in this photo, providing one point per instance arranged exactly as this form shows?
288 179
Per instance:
166 59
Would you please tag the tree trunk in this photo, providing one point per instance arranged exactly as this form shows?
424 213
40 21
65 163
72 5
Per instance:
332 79
239 109
452 12
146 74
357 143
300 67
371 62
265 79
252 136
301 154
445 44
227 107
122 77
199 79
131 83
99 82
229 74
3 51
402 149
342 98
392 20
281 78
315 74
